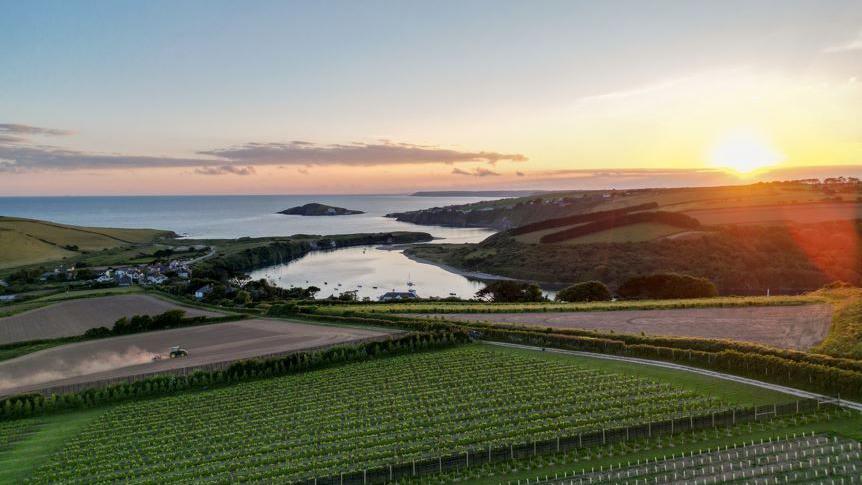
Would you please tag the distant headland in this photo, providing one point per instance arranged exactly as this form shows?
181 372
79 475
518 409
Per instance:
478 193
315 209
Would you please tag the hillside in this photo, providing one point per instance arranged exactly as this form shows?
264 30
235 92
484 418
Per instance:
29 241
741 259
798 201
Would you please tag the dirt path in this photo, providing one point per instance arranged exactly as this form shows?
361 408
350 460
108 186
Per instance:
793 327
132 354
74 317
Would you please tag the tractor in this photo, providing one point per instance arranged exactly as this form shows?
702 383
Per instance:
178 352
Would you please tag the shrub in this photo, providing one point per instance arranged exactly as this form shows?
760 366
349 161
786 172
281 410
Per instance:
586 291
283 310
667 285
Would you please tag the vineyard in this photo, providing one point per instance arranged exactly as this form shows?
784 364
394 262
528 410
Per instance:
803 459
361 416
13 431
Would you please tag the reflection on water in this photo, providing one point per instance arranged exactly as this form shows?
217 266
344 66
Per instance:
369 271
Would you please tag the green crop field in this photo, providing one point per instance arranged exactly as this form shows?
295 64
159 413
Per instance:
482 307
373 413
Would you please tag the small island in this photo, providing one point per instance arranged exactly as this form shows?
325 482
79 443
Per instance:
315 209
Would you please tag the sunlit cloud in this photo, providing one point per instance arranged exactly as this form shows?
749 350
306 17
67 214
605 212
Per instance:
476 172
354 154
854 44
225 170
17 155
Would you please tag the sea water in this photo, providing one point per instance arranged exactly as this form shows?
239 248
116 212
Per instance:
370 271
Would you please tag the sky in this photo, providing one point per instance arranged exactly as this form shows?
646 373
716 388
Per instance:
258 97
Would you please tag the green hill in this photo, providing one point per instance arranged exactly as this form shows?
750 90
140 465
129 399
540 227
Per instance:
29 241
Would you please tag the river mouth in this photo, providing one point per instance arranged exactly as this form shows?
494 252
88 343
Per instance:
370 272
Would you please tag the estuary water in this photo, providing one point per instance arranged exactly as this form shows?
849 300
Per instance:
371 271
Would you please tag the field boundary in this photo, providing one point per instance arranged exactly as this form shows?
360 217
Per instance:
706 372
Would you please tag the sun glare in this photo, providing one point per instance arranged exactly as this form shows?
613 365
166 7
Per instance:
744 153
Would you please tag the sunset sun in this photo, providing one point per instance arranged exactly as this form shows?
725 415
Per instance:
744 153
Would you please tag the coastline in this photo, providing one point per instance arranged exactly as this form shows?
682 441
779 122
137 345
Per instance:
475 275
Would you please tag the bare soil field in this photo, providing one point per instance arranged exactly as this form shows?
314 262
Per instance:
792 327
131 355
74 317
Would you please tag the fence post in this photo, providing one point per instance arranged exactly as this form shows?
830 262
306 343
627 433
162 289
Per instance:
558 444
467 454
390 473
414 467
440 462
364 476
734 415
649 428
603 435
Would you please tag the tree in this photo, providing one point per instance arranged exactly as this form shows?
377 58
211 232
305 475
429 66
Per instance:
667 285
586 291
511 291
242 298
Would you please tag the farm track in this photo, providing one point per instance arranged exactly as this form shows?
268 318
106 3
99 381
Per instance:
667 365
74 317
131 355
791 327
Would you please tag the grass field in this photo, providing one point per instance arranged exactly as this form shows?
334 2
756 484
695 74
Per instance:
27 241
361 415
482 307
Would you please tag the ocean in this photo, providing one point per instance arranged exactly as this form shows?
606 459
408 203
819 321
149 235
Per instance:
367 270
228 217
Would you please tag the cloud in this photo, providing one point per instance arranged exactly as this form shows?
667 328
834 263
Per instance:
17 155
353 154
225 170
854 44
20 129
477 172
23 158
636 91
